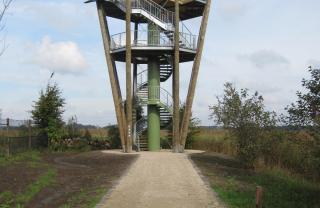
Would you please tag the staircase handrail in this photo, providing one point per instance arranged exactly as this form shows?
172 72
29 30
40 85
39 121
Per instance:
142 78
141 124
157 93
150 7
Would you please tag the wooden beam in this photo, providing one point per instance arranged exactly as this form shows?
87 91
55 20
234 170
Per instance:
194 76
134 85
116 93
128 76
175 83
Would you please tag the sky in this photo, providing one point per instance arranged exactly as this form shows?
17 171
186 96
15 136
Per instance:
262 45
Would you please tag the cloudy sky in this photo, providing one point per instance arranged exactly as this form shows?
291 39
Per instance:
263 45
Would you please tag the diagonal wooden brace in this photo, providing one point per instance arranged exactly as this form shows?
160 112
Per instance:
194 77
115 87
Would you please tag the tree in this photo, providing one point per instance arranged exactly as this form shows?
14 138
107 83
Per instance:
3 10
47 113
114 137
246 118
193 127
306 111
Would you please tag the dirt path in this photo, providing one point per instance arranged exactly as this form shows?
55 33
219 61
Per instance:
161 179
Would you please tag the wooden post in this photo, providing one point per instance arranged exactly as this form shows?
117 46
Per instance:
116 93
259 194
8 139
194 76
128 76
30 134
134 85
175 83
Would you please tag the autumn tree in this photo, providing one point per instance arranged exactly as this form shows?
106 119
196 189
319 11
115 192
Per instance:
244 115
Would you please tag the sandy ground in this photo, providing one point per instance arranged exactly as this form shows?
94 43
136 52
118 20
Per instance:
161 179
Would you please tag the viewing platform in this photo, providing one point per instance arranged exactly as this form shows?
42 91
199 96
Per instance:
160 43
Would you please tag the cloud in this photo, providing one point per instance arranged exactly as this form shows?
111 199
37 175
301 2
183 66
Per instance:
265 58
65 16
231 10
60 57
314 63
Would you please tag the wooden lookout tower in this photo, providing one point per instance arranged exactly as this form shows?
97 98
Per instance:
161 47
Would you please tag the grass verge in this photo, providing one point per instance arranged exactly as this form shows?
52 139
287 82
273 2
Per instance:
19 200
236 185
28 156
82 199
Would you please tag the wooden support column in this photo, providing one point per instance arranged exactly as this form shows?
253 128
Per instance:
175 83
117 99
128 76
135 105
194 76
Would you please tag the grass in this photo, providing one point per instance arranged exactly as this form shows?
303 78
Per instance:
29 156
82 199
10 200
280 191
236 185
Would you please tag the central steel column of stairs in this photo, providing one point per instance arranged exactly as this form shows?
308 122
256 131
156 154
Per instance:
164 105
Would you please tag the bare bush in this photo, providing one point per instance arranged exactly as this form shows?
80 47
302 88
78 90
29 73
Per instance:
3 9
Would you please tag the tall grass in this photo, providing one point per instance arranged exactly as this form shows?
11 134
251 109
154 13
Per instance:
290 151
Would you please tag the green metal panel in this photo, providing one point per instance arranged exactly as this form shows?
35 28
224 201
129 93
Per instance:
153 128
154 94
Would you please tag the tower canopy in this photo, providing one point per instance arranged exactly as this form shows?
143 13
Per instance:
188 8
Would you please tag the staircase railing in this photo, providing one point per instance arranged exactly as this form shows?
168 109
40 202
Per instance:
141 126
158 93
142 78
152 8
155 9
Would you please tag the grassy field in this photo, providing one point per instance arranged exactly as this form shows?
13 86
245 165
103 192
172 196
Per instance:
285 174
236 185
69 179
213 140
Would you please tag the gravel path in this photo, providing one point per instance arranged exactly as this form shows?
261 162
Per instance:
161 180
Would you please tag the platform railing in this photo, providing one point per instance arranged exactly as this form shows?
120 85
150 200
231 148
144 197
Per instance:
159 39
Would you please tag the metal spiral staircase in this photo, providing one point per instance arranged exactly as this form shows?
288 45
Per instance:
163 99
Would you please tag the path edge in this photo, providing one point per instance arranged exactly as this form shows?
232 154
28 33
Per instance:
206 181
115 183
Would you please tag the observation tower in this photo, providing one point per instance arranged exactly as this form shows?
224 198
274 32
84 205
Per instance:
161 47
